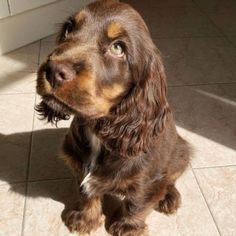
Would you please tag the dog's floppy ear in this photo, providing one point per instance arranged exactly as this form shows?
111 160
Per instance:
141 116
48 113
152 89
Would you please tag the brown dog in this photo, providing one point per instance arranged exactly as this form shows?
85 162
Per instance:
107 72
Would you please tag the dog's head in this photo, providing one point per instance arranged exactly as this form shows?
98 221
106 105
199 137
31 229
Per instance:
104 63
103 51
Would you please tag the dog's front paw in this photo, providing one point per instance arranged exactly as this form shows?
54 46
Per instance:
171 202
79 221
124 227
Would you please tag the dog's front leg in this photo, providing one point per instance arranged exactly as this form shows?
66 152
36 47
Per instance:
88 213
130 219
88 216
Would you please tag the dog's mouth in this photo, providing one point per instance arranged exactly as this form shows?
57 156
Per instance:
50 108
74 97
53 110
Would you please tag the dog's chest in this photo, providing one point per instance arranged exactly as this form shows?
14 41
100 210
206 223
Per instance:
95 149
91 183
95 145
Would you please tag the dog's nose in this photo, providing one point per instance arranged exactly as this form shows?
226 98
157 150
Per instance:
57 73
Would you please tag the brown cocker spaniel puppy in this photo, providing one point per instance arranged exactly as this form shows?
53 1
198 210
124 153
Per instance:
107 72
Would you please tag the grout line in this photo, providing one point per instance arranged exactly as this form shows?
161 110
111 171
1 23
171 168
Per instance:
170 86
218 28
187 37
12 183
40 49
27 172
68 178
44 39
46 180
221 31
213 167
29 156
206 202
30 152
202 84
36 181
26 93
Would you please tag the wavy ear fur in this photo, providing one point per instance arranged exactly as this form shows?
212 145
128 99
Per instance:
141 116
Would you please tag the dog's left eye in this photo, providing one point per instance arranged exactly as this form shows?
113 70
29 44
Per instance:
69 26
117 49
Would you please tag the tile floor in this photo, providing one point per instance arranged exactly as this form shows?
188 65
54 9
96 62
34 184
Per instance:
198 41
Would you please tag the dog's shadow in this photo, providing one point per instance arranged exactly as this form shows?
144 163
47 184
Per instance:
48 176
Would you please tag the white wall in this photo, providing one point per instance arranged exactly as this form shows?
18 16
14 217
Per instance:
29 20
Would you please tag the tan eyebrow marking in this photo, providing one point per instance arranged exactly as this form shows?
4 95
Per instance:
80 16
114 29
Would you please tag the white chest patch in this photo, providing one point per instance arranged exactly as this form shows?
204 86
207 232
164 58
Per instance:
85 183
96 148
95 151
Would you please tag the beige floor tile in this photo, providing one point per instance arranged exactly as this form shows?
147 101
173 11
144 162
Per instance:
45 162
16 113
225 18
154 3
21 82
51 38
219 189
232 40
24 59
176 21
15 131
206 117
215 5
11 208
45 203
47 199
198 60
193 218
46 48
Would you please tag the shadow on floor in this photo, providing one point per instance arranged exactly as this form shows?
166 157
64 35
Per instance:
63 189
208 111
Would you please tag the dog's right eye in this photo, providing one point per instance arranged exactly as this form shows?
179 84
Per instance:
67 28
117 49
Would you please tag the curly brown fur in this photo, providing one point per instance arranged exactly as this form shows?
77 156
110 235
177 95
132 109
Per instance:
86 219
133 133
107 72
